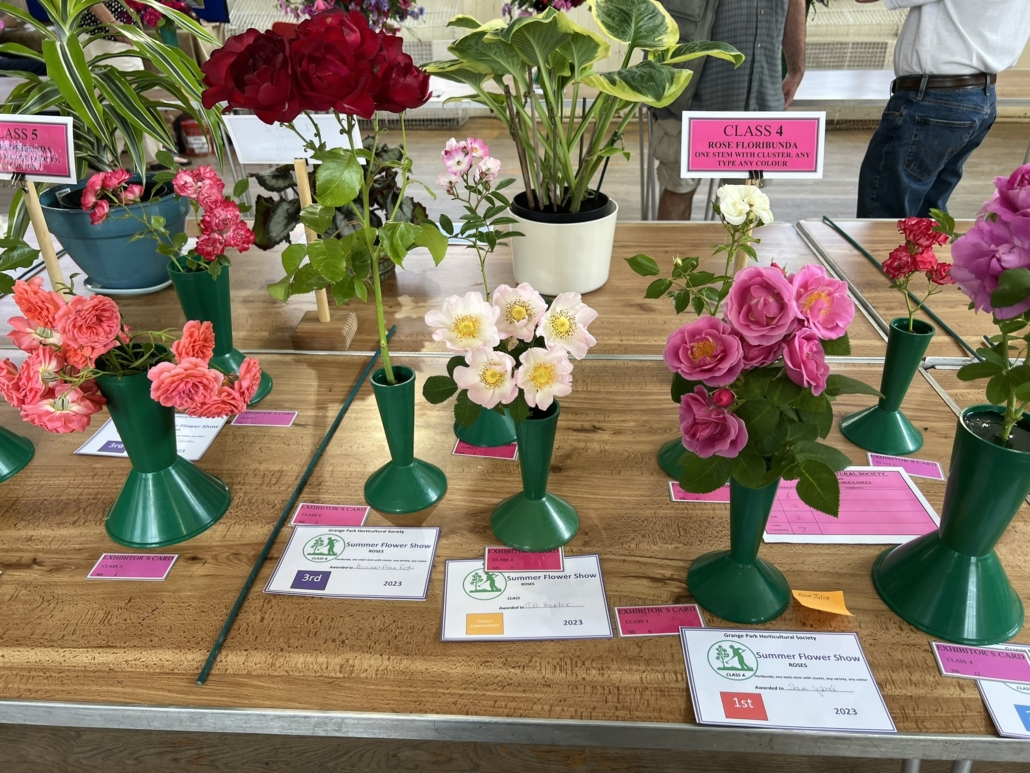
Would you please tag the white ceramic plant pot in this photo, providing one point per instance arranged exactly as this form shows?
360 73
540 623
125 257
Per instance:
557 257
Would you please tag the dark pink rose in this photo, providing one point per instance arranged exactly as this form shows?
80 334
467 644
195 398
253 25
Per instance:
761 306
709 430
757 356
823 301
979 257
805 361
1013 194
706 351
723 398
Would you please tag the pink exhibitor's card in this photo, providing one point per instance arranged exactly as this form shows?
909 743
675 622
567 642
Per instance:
265 418
132 566
310 514
509 452
982 662
512 560
920 468
720 495
663 620
878 506
776 144
37 146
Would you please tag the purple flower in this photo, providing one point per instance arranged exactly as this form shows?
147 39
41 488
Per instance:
1013 195
987 249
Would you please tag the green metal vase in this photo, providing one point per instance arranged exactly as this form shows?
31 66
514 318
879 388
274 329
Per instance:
15 452
490 430
670 456
534 519
207 300
736 584
884 429
165 499
950 583
405 484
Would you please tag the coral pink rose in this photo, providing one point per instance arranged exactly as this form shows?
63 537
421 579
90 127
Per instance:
823 302
709 430
40 374
250 379
68 410
761 306
185 385
706 350
198 340
90 327
28 337
758 356
805 361
39 305
225 402
9 384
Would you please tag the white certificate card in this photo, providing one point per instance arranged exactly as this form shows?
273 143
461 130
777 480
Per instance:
193 437
356 562
485 606
1008 702
791 680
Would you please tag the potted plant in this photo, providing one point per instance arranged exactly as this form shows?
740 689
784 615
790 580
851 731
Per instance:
950 583
110 107
200 274
525 71
335 61
755 395
81 357
515 361
883 428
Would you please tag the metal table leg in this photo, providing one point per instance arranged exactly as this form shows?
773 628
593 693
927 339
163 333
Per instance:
910 766
644 190
962 766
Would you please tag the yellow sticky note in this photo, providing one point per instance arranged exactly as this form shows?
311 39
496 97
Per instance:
484 623
831 601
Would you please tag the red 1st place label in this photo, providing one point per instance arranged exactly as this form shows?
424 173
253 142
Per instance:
743 705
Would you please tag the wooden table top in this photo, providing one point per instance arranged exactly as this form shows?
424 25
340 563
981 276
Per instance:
68 639
628 323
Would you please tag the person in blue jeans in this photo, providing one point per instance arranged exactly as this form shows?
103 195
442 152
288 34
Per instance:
942 101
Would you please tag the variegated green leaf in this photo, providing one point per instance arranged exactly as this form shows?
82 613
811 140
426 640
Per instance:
535 38
66 66
171 61
640 23
464 21
500 57
685 52
583 47
183 22
27 18
133 136
17 49
125 102
649 83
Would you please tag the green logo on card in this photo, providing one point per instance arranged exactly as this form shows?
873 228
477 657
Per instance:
732 660
324 547
483 585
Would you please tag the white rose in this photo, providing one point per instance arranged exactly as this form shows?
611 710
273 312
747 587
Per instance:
732 205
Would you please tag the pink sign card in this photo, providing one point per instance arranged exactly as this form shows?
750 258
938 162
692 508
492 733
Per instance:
132 566
311 514
37 146
919 468
1002 665
265 418
663 620
738 143
512 560
719 496
878 506
509 452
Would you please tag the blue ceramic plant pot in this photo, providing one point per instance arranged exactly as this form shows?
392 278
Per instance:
104 252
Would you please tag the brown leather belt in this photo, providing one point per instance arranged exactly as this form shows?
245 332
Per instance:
942 82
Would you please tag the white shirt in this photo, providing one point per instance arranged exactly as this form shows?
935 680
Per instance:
959 37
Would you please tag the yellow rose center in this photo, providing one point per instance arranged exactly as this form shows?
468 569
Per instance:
563 325
490 378
517 311
813 298
701 349
542 375
466 327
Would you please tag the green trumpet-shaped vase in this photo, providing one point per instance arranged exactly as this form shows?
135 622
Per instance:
884 429
207 300
165 499
15 452
950 582
490 430
736 584
670 456
405 484
534 519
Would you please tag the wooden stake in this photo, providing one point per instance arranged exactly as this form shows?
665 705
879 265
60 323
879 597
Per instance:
46 246
300 167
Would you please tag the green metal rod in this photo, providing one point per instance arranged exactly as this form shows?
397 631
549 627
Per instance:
252 577
926 309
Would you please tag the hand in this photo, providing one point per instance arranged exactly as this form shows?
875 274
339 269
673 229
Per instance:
791 83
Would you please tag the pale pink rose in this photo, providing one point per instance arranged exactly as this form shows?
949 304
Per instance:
759 356
477 147
68 410
487 170
521 308
184 385
90 326
705 350
709 430
99 212
198 340
40 374
488 377
805 361
39 305
761 306
564 325
457 160
544 375
823 302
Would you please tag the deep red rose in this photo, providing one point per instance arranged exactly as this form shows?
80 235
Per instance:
334 64
941 274
287 29
402 86
919 231
254 71
899 264
925 260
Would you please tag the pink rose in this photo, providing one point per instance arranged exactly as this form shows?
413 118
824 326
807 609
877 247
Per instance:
805 361
94 185
899 263
39 305
723 398
89 326
186 184
185 385
919 231
210 246
823 302
116 178
1013 194
198 340
709 430
925 260
240 237
979 257
99 212
761 306
758 356
705 350
132 194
